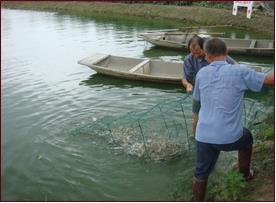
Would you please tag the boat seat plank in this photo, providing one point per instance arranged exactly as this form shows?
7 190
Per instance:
252 44
93 59
270 45
138 66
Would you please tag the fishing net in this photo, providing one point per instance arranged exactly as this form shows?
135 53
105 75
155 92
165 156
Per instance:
161 132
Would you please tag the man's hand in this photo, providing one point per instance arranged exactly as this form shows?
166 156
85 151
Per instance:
189 87
269 79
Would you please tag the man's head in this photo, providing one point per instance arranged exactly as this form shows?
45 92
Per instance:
195 46
215 49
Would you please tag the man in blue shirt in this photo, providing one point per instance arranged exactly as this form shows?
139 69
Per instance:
218 93
195 61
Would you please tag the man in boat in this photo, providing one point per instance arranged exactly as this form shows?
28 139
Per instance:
195 61
218 99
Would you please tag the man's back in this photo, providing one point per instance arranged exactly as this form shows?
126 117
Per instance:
220 89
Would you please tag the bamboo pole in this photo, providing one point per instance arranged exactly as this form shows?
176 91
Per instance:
163 30
207 26
195 33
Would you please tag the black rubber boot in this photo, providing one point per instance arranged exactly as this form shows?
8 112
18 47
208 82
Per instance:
199 188
244 163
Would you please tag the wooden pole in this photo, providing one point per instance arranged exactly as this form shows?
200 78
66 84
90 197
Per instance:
207 26
195 33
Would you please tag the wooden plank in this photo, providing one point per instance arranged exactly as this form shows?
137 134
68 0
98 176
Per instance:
138 66
93 59
164 30
195 33
101 59
270 45
208 26
252 44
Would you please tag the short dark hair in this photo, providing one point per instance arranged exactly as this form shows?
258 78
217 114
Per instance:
215 47
196 39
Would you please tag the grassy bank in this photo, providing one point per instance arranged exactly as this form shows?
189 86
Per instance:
183 15
261 188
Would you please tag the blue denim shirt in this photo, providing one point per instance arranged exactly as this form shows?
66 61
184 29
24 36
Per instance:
220 89
192 65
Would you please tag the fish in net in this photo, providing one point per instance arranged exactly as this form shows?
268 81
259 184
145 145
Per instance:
162 132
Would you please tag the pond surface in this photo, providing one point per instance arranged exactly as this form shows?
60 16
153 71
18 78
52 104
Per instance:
45 94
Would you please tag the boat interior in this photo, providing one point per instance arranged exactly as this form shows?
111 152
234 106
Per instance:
249 43
140 66
178 38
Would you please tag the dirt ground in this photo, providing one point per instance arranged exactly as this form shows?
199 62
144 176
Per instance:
262 187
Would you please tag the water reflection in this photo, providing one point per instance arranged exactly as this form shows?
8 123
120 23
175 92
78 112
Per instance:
99 80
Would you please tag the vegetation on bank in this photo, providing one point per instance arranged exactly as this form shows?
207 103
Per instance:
185 15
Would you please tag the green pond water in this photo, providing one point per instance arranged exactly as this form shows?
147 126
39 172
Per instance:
46 95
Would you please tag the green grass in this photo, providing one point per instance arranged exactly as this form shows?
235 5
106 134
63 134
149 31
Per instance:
176 15
230 188
231 185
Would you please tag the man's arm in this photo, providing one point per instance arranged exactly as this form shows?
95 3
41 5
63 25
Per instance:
187 85
269 79
196 103
188 73
196 108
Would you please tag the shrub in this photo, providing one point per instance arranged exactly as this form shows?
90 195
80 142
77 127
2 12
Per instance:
230 187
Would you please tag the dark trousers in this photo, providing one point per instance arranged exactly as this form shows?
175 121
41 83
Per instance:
207 154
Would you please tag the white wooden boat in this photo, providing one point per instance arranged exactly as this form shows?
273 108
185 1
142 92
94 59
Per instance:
135 69
178 40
